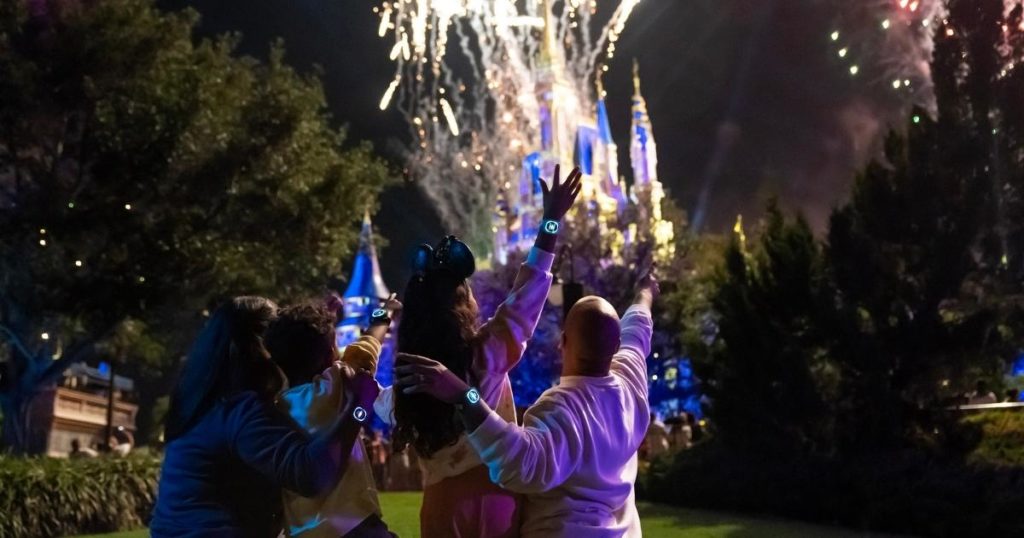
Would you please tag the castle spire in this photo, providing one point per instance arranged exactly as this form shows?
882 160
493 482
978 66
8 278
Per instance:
366 281
643 150
636 77
365 289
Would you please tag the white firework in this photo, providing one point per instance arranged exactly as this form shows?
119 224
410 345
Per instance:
467 76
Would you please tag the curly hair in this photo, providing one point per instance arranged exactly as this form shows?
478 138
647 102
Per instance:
301 340
439 321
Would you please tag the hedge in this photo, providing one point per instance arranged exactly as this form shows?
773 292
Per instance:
41 497
907 492
1002 438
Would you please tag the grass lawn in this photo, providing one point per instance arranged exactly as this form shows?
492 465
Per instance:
402 515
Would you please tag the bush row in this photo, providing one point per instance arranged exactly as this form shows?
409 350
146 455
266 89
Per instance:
907 492
42 497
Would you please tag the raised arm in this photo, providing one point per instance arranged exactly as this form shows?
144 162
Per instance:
505 335
270 442
630 362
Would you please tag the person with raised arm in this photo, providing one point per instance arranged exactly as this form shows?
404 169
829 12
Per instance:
575 456
439 319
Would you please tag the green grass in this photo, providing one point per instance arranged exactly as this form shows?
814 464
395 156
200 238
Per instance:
661 521
401 511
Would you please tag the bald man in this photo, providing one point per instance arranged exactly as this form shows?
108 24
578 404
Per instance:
574 458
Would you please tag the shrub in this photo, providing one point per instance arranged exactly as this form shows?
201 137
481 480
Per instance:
55 497
1002 441
906 492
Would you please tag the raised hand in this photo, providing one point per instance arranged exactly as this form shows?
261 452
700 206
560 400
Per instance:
559 197
420 375
647 288
392 305
361 389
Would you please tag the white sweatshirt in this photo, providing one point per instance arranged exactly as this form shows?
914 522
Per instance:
575 455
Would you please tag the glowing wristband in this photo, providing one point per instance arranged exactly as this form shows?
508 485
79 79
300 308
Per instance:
360 414
549 226
380 317
472 397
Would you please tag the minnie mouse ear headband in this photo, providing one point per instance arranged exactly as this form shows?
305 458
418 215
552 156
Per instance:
451 258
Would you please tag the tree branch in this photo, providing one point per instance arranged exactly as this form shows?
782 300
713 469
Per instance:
15 342
57 367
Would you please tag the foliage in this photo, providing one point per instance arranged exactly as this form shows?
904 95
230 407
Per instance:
55 497
595 256
857 344
1002 438
768 348
905 492
144 177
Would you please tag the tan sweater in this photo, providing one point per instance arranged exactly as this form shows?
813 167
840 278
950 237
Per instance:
315 406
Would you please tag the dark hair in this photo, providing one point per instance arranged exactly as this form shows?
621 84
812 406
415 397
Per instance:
438 321
227 358
301 341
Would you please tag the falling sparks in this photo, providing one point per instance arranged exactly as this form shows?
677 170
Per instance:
475 65
449 116
389 93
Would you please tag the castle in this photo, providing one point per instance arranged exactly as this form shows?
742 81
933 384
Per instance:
572 131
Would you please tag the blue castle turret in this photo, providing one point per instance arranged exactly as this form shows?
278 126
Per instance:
365 292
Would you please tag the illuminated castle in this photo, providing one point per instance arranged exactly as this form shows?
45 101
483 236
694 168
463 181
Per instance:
569 134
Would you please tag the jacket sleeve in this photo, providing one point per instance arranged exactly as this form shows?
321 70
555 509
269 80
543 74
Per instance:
268 441
503 338
630 362
533 458
363 354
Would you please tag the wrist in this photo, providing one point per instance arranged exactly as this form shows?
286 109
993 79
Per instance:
467 398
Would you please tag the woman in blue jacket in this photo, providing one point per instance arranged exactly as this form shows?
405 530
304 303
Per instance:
229 450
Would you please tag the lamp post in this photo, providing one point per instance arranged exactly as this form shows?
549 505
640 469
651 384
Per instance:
565 294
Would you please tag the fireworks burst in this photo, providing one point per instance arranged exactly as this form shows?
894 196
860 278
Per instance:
889 43
467 76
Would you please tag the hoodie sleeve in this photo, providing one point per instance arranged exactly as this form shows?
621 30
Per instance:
504 336
533 458
630 362
268 441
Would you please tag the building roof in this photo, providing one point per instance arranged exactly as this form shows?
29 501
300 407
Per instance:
366 280
100 376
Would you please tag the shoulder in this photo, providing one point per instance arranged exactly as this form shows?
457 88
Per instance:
243 405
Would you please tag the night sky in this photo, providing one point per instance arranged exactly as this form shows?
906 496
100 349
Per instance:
746 100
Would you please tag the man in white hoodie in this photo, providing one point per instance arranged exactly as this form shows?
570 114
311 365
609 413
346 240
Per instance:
575 455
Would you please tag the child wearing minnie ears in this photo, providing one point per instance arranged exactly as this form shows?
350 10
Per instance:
439 320
302 343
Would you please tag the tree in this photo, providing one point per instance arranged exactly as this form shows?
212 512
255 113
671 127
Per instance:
916 292
764 371
145 176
